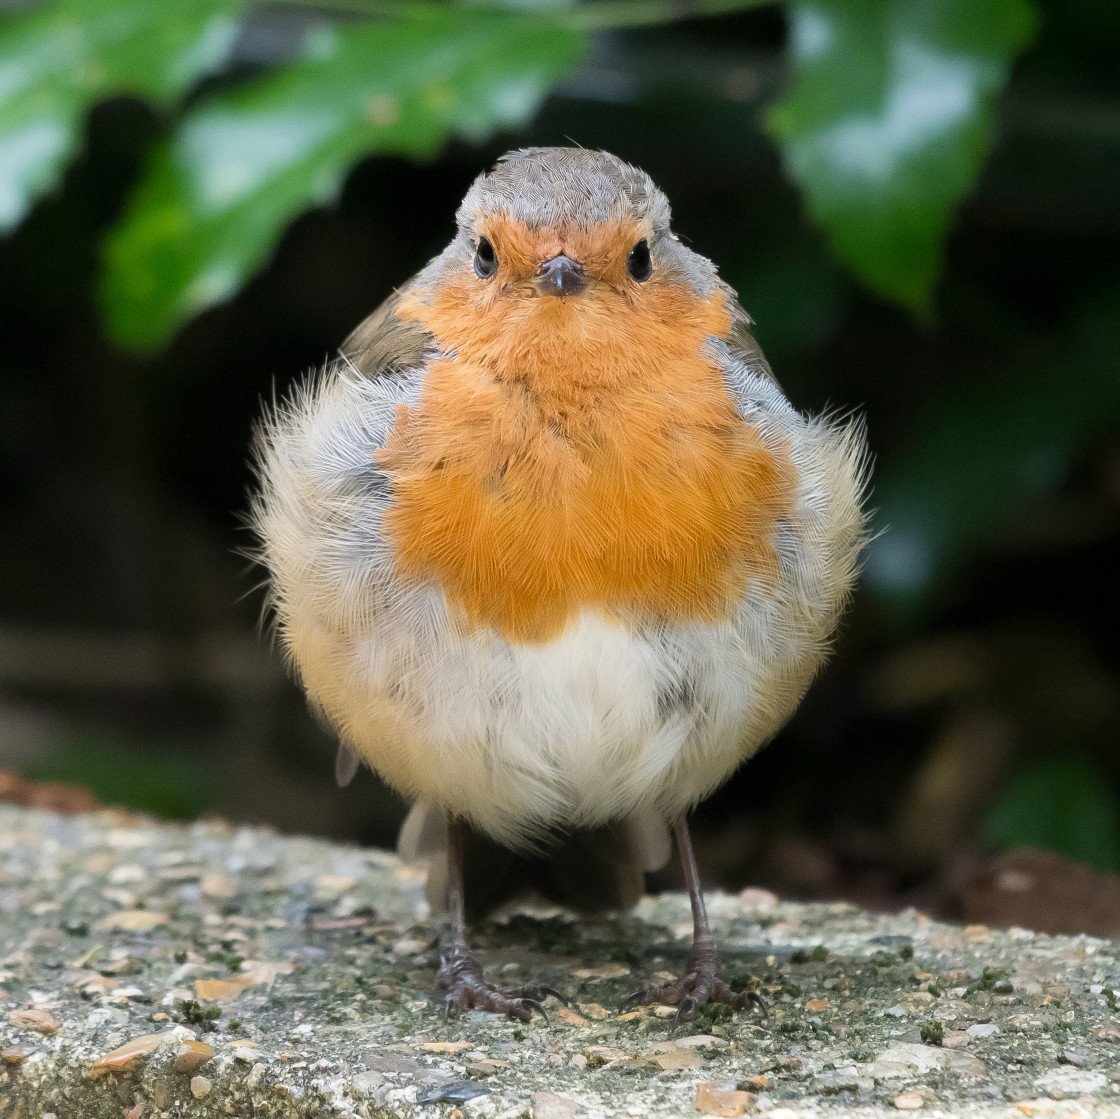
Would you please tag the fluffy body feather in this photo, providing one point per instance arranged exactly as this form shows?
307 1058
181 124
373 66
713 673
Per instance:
551 563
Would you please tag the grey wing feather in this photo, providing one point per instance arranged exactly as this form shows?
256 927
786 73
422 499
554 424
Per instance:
346 764
424 835
384 343
650 843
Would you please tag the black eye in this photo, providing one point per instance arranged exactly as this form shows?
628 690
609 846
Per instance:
485 259
638 263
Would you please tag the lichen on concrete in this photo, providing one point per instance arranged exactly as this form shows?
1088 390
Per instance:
208 971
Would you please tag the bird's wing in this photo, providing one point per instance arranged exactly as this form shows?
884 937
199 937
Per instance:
384 343
380 345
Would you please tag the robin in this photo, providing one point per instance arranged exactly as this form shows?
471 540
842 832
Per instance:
548 546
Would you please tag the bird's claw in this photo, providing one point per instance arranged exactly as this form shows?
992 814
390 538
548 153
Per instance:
700 984
753 998
530 1005
546 991
686 1008
635 998
460 975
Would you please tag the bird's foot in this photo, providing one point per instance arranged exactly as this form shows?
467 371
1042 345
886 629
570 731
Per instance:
701 984
460 976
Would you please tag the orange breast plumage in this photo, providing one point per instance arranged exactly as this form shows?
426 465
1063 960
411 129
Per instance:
574 454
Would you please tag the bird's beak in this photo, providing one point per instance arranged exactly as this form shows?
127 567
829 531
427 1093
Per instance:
560 276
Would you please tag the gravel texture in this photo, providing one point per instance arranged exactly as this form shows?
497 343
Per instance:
208 971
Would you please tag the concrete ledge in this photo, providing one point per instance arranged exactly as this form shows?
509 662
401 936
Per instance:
208 971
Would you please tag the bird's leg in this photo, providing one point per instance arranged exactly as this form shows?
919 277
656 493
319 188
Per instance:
701 982
460 973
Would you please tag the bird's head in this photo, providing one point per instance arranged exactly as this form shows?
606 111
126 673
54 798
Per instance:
563 250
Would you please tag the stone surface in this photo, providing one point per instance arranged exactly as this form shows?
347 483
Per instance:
149 970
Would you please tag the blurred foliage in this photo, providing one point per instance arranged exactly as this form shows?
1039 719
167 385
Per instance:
241 165
986 453
1062 805
888 122
885 126
152 778
61 58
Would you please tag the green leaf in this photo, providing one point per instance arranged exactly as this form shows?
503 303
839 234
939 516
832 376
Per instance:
148 777
56 62
216 197
1060 804
989 451
888 123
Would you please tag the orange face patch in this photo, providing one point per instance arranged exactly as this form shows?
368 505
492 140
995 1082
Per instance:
578 452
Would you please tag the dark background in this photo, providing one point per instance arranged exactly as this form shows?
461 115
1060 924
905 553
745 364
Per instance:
961 716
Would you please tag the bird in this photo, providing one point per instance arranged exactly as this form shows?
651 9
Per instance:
547 546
